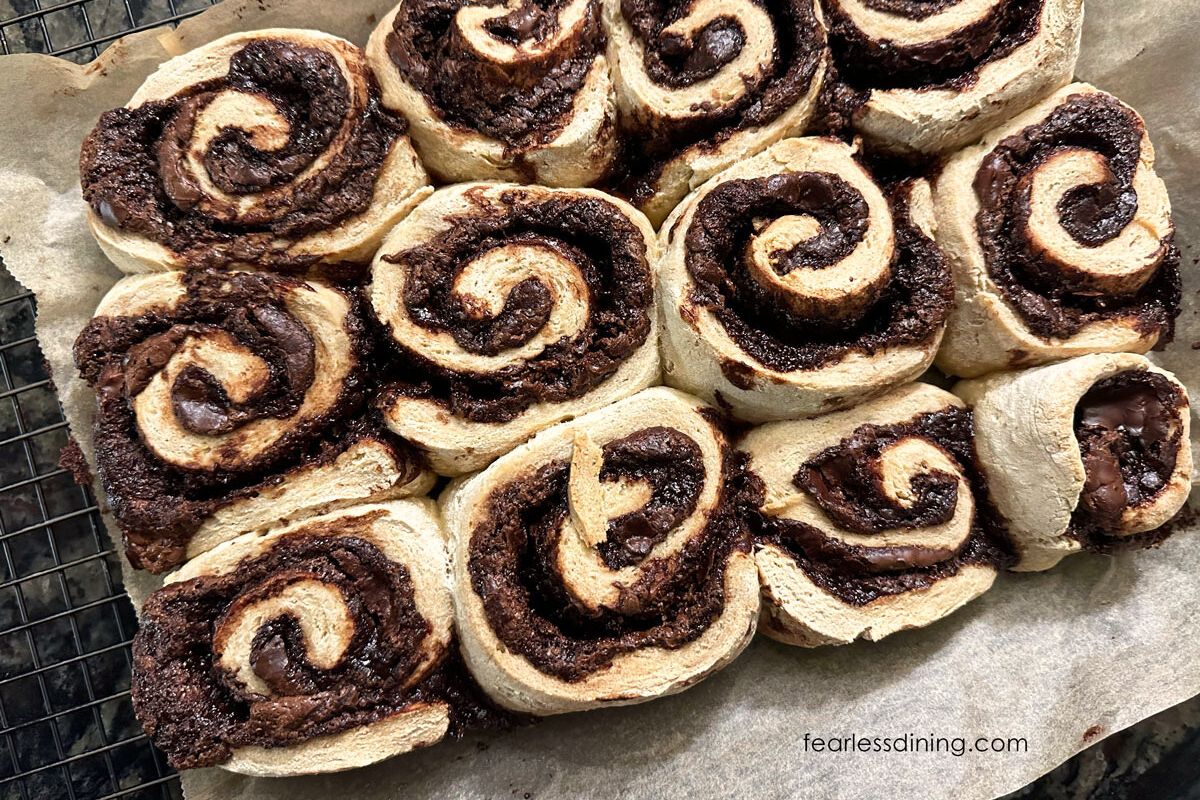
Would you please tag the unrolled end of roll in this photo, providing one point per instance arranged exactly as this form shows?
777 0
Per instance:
1092 453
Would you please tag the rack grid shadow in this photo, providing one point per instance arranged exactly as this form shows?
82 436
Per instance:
65 622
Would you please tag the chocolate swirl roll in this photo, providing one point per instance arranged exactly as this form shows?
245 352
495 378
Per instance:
606 561
510 308
1092 453
792 284
317 647
930 76
501 91
872 520
230 402
260 149
703 84
1060 235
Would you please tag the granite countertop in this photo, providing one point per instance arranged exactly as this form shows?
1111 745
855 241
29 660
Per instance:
41 726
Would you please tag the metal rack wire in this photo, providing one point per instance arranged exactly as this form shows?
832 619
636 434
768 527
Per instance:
79 29
65 623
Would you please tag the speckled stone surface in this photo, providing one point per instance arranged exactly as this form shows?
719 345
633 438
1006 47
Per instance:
64 673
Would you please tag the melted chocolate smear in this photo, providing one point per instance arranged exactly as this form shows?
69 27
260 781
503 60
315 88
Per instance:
201 404
529 21
912 9
674 62
910 310
593 234
1050 304
1125 426
513 568
859 575
672 59
867 64
523 104
146 358
1097 213
133 174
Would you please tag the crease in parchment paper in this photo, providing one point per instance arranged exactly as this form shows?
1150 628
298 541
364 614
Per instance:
1057 658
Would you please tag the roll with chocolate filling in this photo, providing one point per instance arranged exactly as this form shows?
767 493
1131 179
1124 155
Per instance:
501 91
1060 235
870 521
929 76
1092 453
231 402
509 308
260 149
793 284
702 84
321 646
605 562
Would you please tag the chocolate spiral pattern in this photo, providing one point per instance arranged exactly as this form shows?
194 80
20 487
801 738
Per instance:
1072 248
868 520
932 76
606 562
510 308
227 402
1102 447
701 84
793 285
501 91
319 647
262 149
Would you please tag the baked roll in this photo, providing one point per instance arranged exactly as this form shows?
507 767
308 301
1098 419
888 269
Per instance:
1060 236
870 521
703 84
260 149
1092 453
916 76
605 562
793 284
510 308
317 647
229 402
500 91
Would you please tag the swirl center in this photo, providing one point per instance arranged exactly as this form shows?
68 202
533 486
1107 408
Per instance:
256 657
517 298
813 244
886 497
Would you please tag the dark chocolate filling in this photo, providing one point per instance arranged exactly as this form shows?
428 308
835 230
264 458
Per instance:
1129 441
1045 298
159 506
594 234
131 165
845 482
513 567
865 64
198 713
910 309
670 463
673 62
522 104
912 9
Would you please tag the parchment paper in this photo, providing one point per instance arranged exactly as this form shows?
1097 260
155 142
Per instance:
1060 658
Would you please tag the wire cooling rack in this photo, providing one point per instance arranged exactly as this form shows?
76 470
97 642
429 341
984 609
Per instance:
65 623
